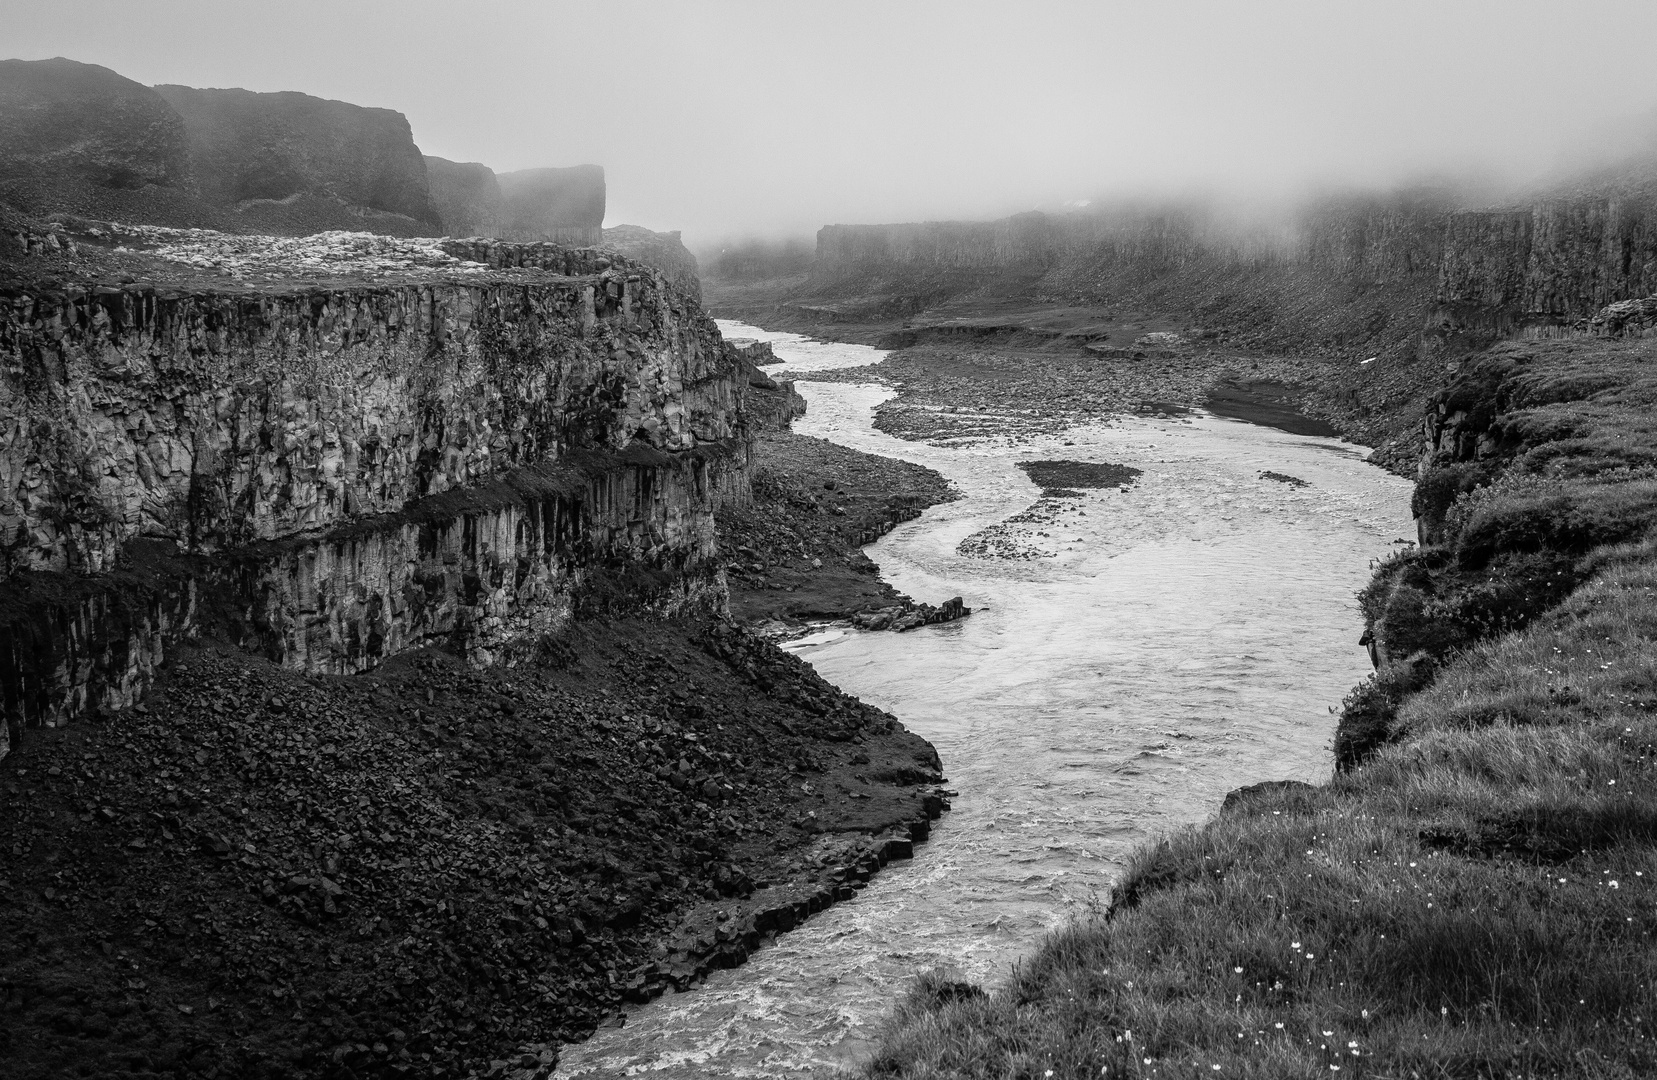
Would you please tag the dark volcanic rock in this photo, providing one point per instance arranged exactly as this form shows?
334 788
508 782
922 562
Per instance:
246 146
662 250
81 124
1079 474
435 867
793 550
466 196
562 205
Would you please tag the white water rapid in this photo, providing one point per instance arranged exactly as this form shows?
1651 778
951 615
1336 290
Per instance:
1169 643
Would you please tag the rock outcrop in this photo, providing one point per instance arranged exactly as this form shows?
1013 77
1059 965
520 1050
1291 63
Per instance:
564 206
334 474
663 250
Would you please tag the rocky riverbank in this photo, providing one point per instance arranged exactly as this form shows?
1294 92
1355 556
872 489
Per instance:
795 551
258 873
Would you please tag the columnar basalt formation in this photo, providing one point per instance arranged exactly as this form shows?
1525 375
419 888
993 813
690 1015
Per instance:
663 250
1549 264
334 474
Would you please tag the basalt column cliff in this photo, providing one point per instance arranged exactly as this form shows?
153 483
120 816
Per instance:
456 451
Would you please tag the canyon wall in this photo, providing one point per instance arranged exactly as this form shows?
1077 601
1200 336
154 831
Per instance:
1553 263
80 139
1350 272
332 475
1024 239
663 250
466 196
564 206
246 146
64 121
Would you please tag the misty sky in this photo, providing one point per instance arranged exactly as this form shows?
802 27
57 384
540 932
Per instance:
725 119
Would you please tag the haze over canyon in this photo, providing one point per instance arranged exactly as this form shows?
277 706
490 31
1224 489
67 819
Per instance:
903 541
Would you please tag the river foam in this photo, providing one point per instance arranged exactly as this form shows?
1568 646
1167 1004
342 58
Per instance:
1161 645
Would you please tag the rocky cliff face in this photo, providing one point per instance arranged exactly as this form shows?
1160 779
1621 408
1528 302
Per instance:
338 473
1549 264
248 147
665 251
466 196
1447 276
77 138
564 206
76 134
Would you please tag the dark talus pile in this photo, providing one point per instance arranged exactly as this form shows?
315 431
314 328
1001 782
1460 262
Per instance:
258 873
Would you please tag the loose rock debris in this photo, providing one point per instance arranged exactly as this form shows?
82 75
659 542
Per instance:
430 869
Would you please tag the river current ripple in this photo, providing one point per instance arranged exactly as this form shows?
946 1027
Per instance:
1180 639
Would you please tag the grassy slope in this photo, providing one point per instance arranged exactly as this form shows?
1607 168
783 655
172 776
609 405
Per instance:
1476 894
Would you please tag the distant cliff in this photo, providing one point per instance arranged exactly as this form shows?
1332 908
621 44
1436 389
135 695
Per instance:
249 148
1552 263
466 196
565 206
80 139
1403 272
665 251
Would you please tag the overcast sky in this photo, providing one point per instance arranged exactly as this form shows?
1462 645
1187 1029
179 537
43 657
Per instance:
728 118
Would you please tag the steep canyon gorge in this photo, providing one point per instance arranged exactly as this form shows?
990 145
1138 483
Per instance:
378 533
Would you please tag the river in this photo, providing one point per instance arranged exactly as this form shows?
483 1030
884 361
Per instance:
1131 658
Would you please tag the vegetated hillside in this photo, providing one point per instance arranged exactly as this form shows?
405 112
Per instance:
1473 894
